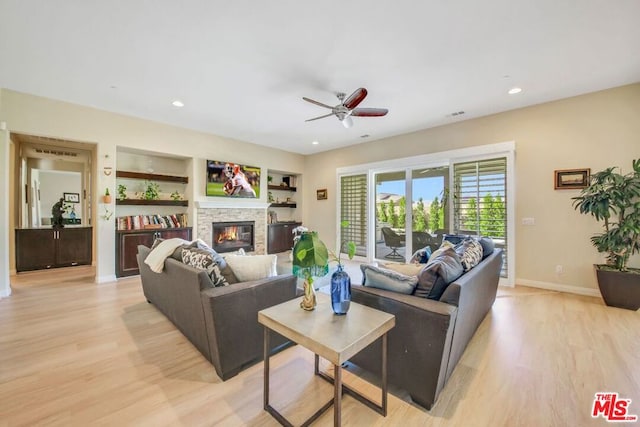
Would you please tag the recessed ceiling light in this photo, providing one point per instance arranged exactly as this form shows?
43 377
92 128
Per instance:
514 90
315 143
178 103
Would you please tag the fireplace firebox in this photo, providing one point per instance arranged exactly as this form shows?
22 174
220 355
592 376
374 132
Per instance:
231 236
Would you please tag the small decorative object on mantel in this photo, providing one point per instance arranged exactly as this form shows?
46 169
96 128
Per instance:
321 194
571 179
310 259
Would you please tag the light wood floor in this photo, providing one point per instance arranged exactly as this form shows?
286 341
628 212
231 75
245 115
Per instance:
73 353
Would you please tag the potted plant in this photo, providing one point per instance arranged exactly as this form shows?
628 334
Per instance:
614 199
107 196
122 192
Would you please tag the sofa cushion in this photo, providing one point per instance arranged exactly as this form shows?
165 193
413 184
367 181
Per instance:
406 269
382 278
487 246
438 273
470 252
202 259
252 267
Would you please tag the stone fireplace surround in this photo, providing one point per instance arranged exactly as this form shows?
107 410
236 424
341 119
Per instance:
206 215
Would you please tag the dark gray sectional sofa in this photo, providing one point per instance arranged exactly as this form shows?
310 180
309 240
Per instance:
430 335
222 322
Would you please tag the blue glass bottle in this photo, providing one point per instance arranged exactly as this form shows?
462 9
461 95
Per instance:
340 291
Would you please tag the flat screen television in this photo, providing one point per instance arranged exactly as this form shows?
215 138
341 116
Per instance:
226 179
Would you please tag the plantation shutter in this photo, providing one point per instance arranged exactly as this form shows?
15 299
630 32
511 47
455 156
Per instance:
353 208
480 201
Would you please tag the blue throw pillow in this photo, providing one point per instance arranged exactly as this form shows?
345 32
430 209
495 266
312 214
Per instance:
421 256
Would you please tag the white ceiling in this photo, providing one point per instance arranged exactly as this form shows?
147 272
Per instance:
242 67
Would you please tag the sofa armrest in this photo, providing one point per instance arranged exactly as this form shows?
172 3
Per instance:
418 346
474 293
231 315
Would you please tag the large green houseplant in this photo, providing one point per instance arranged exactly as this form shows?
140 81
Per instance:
614 199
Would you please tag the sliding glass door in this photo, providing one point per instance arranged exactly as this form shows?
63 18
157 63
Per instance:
391 216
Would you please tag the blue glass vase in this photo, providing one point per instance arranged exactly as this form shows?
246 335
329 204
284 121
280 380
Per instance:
340 291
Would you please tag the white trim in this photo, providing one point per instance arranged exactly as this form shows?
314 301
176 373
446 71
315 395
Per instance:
431 159
106 279
6 293
559 287
235 204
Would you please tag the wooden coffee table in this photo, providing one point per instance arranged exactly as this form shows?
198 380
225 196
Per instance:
334 338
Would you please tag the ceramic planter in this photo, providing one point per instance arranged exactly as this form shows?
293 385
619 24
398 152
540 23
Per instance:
619 289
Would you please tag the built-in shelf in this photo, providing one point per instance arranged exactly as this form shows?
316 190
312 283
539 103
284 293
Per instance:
283 205
140 202
280 187
152 177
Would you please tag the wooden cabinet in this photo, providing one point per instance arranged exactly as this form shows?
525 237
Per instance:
41 248
280 237
127 242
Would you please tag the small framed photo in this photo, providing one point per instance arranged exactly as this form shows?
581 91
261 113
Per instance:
571 179
321 194
71 197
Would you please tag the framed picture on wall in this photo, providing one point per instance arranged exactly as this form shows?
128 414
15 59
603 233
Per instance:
71 197
571 179
321 194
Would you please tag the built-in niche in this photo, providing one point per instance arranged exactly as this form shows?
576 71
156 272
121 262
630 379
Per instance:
52 170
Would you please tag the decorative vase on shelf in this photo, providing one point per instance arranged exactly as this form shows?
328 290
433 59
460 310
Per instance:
340 291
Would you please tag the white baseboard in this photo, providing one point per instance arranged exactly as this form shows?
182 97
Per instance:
106 279
5 292
590 292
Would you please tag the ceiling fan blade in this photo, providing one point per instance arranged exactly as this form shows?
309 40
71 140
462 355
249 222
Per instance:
319 117
369 112
317 103
347 122
355 98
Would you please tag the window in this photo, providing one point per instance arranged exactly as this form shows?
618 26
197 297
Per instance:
480 201
353 208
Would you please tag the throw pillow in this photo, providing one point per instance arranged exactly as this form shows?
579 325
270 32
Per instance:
470 252
406 269
487 246
252 267
202 259
443 247
438 273
381 278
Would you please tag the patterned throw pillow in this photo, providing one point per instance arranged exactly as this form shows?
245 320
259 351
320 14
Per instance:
203 259
470 252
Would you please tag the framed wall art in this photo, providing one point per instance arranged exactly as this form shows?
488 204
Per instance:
571 179
321 194
71 197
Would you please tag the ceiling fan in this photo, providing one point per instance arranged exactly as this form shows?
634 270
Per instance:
347 108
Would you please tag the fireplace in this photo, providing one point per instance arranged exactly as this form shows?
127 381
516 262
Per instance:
231 236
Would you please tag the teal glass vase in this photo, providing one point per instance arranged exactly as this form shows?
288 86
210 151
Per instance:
340 291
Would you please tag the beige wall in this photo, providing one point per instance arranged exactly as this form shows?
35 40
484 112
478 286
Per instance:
45 117
590 131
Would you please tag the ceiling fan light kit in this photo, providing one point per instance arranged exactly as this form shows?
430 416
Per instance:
347 108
